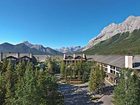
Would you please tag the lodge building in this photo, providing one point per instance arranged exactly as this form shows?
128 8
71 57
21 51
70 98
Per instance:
112 65
74 58
16 57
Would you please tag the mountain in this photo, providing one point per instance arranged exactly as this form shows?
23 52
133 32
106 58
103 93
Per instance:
129 25
69 49
120 44
27 47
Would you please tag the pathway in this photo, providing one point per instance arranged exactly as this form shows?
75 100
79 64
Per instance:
75 95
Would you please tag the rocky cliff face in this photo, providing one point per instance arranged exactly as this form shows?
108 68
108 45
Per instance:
129 25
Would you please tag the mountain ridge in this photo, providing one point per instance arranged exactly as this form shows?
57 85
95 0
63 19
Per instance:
27 47
121 44
128 25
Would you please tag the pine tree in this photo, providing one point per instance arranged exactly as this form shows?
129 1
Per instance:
20 69
119 92
50 66
127 91
9 78
79 68
4 65
86 67
92 80
62 69
2 89
96 79
28 85
133 90
30 89
26 90
73 68
0 67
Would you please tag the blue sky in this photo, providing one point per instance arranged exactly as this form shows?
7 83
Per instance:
58 23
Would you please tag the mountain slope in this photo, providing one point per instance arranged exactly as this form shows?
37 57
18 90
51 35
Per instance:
28 48
129 25
122 43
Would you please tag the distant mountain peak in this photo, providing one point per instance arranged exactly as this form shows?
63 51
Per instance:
27 43
71 49
129 25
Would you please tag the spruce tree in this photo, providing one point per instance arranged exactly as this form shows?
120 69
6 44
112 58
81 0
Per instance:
20 69
50 66
127 92
62 69
119 92
4 65
79 68
96 79
23 84
9 78
93 80
2 89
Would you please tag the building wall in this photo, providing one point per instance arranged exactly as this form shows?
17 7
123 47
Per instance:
128 61
111 70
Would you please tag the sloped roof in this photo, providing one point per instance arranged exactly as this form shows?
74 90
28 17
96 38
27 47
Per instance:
78 57
69 57
115 60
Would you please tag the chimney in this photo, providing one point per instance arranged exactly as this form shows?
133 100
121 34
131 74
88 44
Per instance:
18 55
1 56
64 56
84 56
74 56
30 55
128 61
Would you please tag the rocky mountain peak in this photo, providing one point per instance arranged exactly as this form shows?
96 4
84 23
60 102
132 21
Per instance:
131 18
27 43
37 46
129 25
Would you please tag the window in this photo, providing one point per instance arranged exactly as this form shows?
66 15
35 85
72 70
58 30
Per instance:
117 69
104 65
112 67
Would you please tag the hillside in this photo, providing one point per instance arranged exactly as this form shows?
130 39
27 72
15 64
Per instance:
123 43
